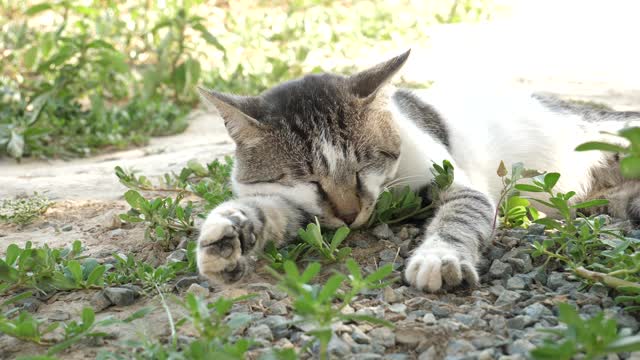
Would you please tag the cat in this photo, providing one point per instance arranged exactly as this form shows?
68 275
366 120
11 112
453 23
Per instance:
326 146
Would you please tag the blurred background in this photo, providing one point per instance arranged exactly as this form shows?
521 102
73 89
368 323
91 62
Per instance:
84 77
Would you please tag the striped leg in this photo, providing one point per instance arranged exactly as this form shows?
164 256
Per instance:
238 227
453 240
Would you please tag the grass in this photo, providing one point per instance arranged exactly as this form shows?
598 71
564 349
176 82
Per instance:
24 210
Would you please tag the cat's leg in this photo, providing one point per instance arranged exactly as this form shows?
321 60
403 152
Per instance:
453 240
624 202
238 227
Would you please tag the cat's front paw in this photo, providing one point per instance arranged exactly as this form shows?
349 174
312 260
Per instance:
224 238
438 265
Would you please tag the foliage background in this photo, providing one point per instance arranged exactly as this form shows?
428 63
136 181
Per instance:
85 76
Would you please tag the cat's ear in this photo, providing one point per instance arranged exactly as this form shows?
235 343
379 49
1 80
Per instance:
237 112
367 82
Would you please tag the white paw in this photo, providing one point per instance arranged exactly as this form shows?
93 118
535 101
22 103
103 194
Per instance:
223 239
440 265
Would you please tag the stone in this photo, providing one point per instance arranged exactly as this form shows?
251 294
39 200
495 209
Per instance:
398 308
439 311
499 270
508 297
30 304
59 315
278 308
359 336
599 290
177 256
390 296
520 346
429 319
99 301
67 227
516 283
590 309
403 234
382 231
429 354
469 320
338 348
198 290
383 336
388 255
459 347
519 322
536 229
410 337
121 296
536 311
628 321
261 331
358 355
555 280
184 282
397 356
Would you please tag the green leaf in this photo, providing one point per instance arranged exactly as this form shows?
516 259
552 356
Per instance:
15 147
208 37
134 199
529 188
602 146
95 278
76 270
339 237
550 180
330 287
630 167
88 317
310 272
586 204
35 9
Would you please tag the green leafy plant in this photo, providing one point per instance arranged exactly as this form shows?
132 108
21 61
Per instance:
329 250
211 183
590 338
47 270
165 219
396 206
23 211
630 161
277 257
582 245
316 304
514 210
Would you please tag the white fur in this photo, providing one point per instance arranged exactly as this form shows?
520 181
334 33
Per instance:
487 127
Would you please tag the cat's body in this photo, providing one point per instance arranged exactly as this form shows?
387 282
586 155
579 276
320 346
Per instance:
326 146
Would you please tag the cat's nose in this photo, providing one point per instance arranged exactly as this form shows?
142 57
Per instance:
348 218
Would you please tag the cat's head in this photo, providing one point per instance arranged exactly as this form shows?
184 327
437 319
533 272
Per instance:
325 141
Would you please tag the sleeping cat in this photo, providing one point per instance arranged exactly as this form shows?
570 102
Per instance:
327 145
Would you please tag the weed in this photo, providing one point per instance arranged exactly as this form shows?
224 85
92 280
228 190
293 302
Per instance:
47 270
23 211
277 257
166 220
397 206
315 303
589 250
586 339
25 327
514 210
327 249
